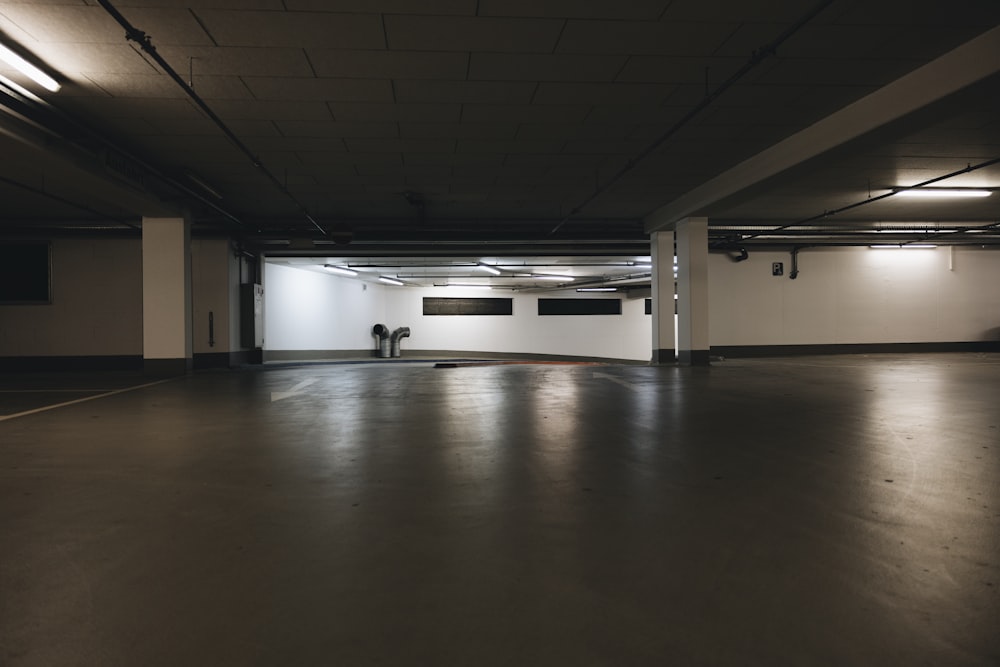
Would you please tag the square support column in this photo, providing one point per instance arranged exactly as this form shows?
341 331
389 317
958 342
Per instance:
692 291
166 295
664 303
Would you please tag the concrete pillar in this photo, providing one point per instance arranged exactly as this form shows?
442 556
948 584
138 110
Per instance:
692 291
662 251
166 295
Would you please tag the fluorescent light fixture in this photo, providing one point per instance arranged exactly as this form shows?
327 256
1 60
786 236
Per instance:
942 192
642 265
465 286
342 270
903 246
551 276
390 281
596 289
29 70
488 269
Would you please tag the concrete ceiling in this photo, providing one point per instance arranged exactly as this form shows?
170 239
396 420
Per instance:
489 126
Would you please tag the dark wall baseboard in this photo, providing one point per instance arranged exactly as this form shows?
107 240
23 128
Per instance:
335 355
202 360
315 355
124 362
737 351
179 366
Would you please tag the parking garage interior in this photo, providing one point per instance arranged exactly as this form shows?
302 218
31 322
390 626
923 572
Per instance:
361 332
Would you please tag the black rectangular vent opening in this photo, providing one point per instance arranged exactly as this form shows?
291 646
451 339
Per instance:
434 305
579 306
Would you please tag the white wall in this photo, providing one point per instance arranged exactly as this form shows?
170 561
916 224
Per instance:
628 336
308 310
856 295
96 304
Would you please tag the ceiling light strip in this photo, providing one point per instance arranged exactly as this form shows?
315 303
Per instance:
872 200
29 70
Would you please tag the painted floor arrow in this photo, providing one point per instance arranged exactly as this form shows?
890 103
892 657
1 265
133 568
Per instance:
294 391
617 380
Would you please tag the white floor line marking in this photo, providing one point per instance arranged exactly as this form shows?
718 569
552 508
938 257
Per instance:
616 380
54 391
294 391
81 400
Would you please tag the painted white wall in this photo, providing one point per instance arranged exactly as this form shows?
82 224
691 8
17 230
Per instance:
309 310
842 296
856 295
96 304
628 336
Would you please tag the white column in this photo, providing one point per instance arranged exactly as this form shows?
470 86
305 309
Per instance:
692 291
166 295
662 251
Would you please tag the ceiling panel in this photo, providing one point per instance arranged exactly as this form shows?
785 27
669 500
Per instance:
464 92
197 62
312 89
433 7
293 29
525 113
152 86
361 111
273 110
631 94
458 130
388 64
584 9
548 67
637 37
319 128
453 33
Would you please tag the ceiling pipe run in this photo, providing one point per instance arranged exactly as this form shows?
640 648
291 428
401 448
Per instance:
139 37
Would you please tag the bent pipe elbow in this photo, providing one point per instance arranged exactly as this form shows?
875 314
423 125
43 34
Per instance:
380 331
401 332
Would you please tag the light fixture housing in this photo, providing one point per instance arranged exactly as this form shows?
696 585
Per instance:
390 281
596 289
342 270
29 70
942 193
552 277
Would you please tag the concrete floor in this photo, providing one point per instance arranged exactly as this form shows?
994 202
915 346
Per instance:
807 511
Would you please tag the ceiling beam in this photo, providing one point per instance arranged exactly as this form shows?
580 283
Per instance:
947 75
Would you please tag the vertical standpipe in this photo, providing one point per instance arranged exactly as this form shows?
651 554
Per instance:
381 333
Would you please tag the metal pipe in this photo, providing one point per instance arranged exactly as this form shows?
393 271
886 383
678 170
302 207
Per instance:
381 333
401 332
142 39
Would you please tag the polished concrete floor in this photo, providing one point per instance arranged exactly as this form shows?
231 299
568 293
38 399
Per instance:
807 511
